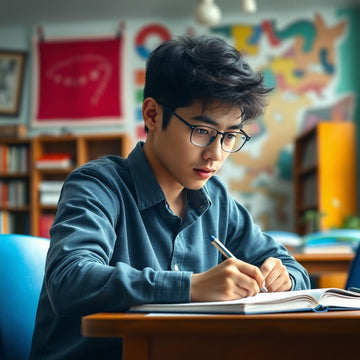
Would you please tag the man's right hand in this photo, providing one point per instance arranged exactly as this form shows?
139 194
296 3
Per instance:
231 279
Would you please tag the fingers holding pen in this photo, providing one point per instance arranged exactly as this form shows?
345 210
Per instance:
276 275
231 279
238 278
246 269
252 278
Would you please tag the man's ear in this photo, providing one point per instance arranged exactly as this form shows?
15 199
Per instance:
151 113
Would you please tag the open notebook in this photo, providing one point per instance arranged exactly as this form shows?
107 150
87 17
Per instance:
289 301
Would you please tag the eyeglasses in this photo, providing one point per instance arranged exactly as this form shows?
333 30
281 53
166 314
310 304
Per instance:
201 135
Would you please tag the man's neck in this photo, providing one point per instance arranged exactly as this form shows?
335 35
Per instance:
177 203
174 192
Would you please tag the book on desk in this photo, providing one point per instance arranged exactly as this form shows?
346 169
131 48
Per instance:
273 302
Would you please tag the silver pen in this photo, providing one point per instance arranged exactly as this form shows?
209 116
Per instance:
227 253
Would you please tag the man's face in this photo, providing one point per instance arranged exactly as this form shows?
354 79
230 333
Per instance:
183 162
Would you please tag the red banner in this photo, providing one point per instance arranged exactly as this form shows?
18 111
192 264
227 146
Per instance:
79 80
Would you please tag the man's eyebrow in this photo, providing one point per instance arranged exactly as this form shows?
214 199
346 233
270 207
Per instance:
209 121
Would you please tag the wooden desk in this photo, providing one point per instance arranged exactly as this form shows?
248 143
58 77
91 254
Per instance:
320 263
332 269
271 336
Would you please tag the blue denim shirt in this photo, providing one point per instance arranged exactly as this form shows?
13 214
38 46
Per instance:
116 243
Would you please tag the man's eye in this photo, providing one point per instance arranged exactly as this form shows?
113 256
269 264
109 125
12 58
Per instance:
230 136
202 131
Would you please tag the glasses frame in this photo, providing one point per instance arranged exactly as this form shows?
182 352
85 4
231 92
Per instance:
193 127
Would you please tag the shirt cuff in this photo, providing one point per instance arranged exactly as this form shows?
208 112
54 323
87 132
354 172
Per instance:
173 286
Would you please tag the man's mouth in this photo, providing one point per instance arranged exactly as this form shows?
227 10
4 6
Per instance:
204 173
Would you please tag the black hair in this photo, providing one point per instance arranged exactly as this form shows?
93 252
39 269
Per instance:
205 68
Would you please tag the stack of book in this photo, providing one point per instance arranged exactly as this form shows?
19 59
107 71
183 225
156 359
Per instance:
55 161
336 241
50 191
341 241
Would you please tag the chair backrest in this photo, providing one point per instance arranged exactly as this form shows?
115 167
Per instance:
22 266
353 279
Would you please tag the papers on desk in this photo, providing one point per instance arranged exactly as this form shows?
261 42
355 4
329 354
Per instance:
289 301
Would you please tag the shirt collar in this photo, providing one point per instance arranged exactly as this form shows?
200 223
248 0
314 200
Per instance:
147 188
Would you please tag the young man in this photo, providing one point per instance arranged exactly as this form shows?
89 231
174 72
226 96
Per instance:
136 230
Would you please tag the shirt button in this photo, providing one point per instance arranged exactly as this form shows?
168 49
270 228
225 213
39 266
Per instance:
176 268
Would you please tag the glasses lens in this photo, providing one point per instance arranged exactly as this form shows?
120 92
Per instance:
203 135
233 141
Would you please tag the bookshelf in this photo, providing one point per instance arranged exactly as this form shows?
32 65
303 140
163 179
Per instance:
325 176
15 182
46 181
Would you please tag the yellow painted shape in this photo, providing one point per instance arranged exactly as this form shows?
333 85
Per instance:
285 67
241 34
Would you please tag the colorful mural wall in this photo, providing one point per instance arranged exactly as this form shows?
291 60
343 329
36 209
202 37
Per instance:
302 62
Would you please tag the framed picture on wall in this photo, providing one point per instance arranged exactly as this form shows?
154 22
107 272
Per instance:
12 65
78 81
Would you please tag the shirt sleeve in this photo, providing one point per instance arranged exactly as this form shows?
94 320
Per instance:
249 243
81 276
255 246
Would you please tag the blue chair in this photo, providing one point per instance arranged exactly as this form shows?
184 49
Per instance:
22 266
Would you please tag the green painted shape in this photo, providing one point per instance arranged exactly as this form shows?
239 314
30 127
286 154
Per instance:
303 28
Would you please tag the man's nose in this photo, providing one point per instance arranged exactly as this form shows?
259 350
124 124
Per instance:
214 150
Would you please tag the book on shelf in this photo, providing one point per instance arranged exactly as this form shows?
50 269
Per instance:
309 152
55 161
309 191
317 300
14 193
18 193
14 158
51 185
50 191
49 198
4 191
45 223
5 222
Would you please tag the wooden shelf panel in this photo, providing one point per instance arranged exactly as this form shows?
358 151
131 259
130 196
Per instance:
24 208
64 172
11 175
83 148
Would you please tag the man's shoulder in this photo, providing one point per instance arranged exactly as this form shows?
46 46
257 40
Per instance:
108 166
105 162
